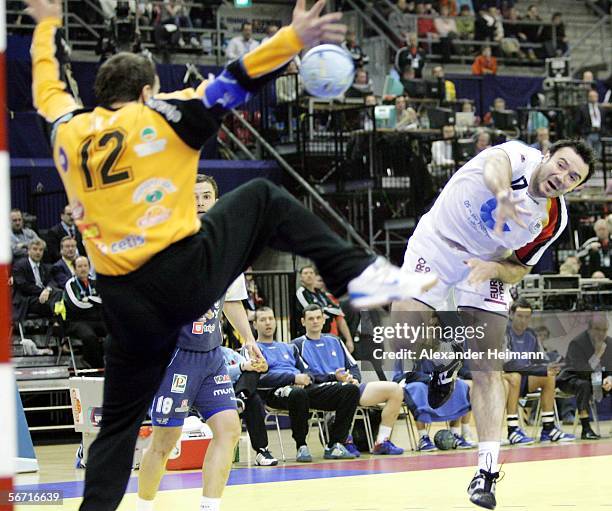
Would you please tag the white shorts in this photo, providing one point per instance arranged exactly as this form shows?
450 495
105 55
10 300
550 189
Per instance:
427 251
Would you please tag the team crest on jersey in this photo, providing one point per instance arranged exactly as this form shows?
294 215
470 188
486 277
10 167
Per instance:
184 406
222 379
535 227
148 134
179 383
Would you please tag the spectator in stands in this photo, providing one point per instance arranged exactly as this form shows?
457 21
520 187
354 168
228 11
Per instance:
511 44
271 29
596 252
456 410
84 313
289 85
64 269
553 37
442 150
21 236
461 4
289 387
499 105
542 142
403 20
588 78
483 141
447 30
339 323
241 44
177 13
465 27
485 63
308 293
425 23
484 26
527 375
531 30
350 44
245 378
367 119
405 117
361 86
55 234
255 298
590 121
329 361
450 93
588 355
411 55
35 292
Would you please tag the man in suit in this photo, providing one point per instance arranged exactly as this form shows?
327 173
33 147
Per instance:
55 234
34 289
63 269
589 355
590 121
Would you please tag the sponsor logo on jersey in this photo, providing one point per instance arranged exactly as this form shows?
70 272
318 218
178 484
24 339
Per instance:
130 242
199 328
90 231
168 110
486 214
148 134
333 353
153 190
95 415
155 215
184 406
223 392
286 355
422 266
179 383
63 159
78 211
149 148
222 379
162 421
496 292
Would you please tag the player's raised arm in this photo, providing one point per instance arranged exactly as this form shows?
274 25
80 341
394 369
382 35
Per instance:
247 74
498 178
49 91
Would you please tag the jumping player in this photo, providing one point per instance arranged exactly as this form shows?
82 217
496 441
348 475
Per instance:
492 222
128 167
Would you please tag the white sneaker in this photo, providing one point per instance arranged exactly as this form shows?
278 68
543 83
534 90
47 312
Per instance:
195 43
264 458
382 283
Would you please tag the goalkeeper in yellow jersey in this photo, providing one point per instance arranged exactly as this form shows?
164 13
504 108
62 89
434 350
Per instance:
129 167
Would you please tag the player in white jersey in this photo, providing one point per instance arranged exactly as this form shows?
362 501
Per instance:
491 223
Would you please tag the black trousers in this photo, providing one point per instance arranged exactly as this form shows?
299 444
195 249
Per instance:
341 398
145 309
91 334
581 388
254 414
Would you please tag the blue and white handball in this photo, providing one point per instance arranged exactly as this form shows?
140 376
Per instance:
327 71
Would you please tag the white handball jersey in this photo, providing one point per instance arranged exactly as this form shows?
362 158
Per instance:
465 212
237 290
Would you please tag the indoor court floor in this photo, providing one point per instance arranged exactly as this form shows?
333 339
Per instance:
575 477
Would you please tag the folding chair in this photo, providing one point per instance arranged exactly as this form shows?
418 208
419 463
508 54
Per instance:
317 416
592 407
537 398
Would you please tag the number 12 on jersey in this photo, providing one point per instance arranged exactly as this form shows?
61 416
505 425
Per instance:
105 174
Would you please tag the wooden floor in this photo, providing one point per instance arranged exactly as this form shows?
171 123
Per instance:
576 477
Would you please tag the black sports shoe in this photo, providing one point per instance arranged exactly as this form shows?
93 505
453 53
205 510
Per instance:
589 434
482 489
442 383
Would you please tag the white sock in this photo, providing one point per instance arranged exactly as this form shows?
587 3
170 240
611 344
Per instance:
210 504
384 433
466 431
456 430
422 433
144 505
488 452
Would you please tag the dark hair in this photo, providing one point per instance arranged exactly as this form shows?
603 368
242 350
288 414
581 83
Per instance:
203 178
64 239
520 303
582 149
122 77
557 15
311 308
307 266
263 308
